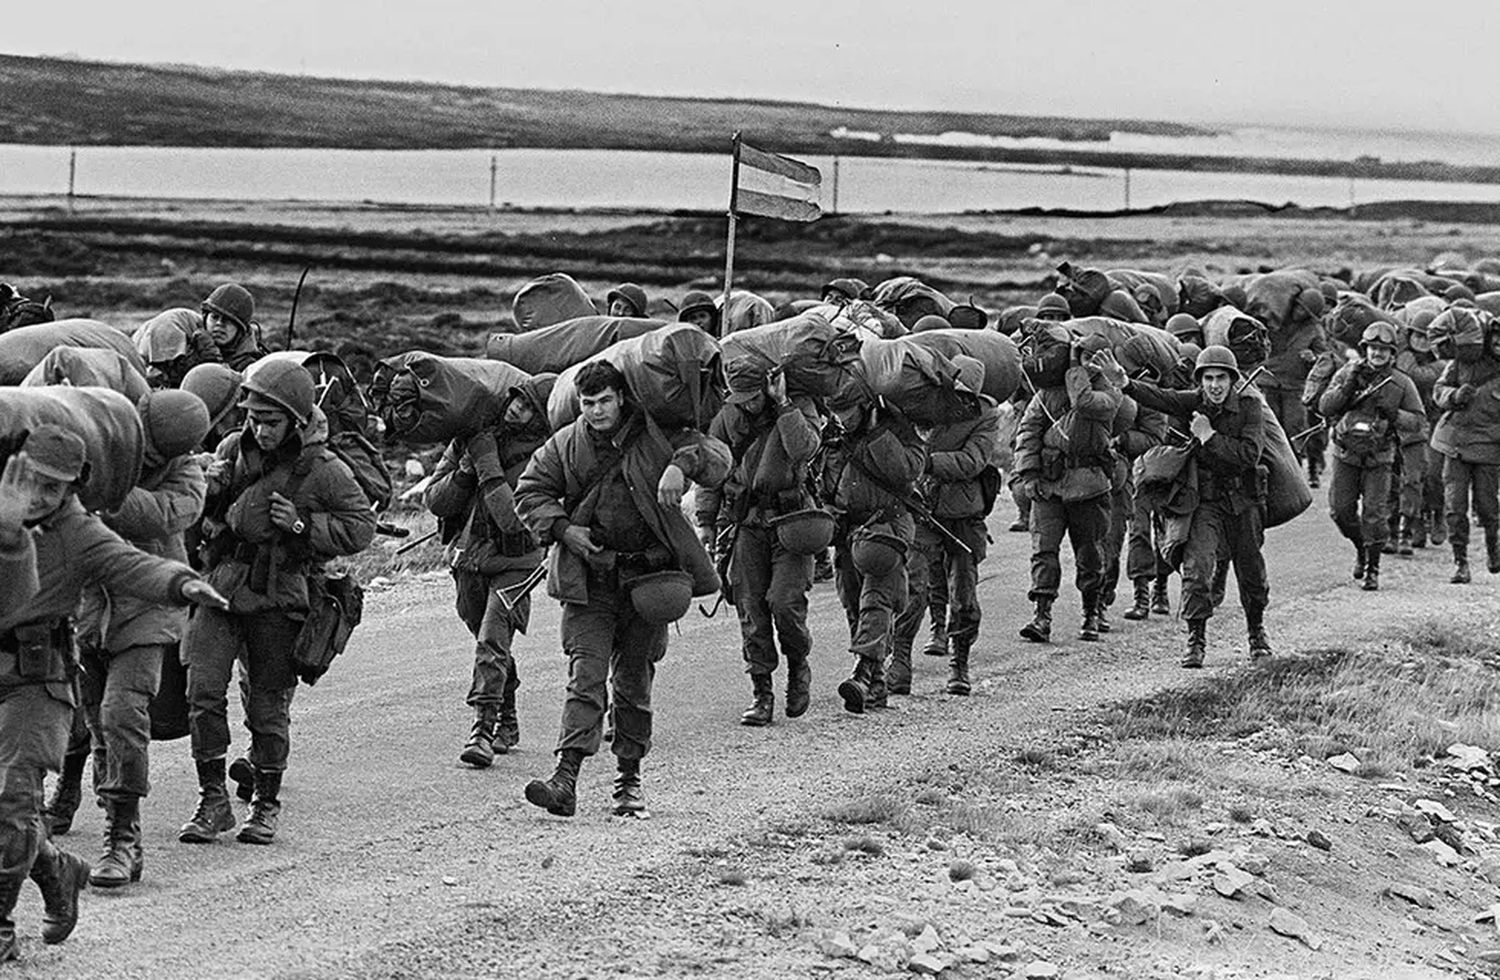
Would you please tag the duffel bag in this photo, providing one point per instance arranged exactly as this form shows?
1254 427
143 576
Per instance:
747 310
562 345
814 354
23 348
107 422
83 367
675 374
917 380
997 352
424 398
550 299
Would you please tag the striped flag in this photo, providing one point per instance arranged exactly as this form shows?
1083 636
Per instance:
775 186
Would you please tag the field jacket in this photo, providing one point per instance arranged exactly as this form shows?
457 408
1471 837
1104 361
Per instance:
1469 431
772 451
1228 465
1366 432
862 468
1063 440
956 455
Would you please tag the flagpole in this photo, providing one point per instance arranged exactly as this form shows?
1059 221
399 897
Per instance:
734 203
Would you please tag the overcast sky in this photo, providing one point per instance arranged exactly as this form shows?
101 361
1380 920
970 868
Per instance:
1370 64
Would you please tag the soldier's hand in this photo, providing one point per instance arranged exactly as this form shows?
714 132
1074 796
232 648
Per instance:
776 387
15 498
671 486
200 593
283 512
707 538
1203 429
579 541
1464 395
1110 369
1308 356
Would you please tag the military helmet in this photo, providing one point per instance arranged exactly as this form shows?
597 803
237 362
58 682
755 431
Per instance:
1379 334
279 383
876 553
662 597
1216 356
1183 325
1053 306
174 421
219 387
804 532
233 301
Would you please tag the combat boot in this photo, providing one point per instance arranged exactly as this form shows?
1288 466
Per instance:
1089 630
1371 581
758 715
1141 608
122 861
876 690
1197 643
1492 549
558 793
1255 626
58 812
214 815
1389 547
1361 559
265 809
1404 543
1416 529
958 668
798 686
1101 608
1314 471
823 567
243 774
60 876
1461 574
937 641
629 800
479 750
1437 529
898 675
507 726
1161 604
10 891
1039 630
855 691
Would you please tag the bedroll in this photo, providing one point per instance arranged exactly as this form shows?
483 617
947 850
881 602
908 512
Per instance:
106 420
562 345
814 354
675 374
23 348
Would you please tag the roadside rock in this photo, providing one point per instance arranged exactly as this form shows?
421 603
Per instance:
1230 881
1139 862
1347 762
1293 926
1180 904
927 964
1441 853
1416 895
1319 840
1417 826
1039 970
1134 907
837 945
1435 809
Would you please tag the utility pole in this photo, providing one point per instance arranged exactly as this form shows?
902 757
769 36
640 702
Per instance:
494 171
835 208
1127 188
72 175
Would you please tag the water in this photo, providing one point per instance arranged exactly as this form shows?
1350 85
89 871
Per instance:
627 179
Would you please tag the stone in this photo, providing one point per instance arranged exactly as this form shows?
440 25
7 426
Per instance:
1488 956
1417 826
1180 904
1001 950
1134 907
837 945
1229 880
926 964
1441 853
450 881
1319 840
1461 756
1415 894
1039 970
1293 926
1435 809
975 954
1346 762
927 941
1113 837
1139 862
415 470
1252 861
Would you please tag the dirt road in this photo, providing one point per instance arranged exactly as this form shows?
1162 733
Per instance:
394 860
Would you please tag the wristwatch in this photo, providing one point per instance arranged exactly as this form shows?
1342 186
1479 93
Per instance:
298 527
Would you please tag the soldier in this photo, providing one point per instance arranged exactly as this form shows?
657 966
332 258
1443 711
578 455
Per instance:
1421 498
489 549
279 505
871 462
1373 408
1136 430
626 299
1228 430
957 456
229 314
698 308
842 292
1064 460
123 640
49 549
773 437
606 490
172 343
1468 436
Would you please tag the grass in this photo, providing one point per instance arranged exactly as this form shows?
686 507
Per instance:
1169 804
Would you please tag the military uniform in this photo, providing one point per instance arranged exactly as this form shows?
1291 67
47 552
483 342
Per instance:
471 494
1421 495
1468 436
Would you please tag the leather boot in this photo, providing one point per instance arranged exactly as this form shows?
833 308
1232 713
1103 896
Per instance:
1039 630
1461 574
798 686
1371 582
60 876
214 815
121 862
1437 528
1492 549
629 800
507 726
58 812
1161 603
1361 557
758 715
558 793
10 891
1403 538
898 674
243 774
958 667
876 690
1197 644
479 750
1102 609
1389 547
1416 531
265 809
1089 630
1314 471
823 567
1141 608
937 642
855 690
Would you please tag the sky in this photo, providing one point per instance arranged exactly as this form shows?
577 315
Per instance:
1375 64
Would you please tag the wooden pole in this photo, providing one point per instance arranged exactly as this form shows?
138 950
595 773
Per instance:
72 175
835 208
1127 188
494 170
734 204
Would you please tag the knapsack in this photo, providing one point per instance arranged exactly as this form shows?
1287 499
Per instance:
366 463
19 311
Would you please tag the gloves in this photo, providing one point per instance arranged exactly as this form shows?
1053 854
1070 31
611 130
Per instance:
1464 395
485 454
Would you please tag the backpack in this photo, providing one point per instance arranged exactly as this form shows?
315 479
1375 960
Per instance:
19 311
989 486
366 463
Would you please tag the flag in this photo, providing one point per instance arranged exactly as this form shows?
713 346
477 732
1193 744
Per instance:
775 186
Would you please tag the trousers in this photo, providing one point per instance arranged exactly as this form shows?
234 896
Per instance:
493 628
1216 529
770 595
1113 543
607 642
1084 523
116 691
262 645
1287 406
1359 500
1142 561
935 565
34 728
871 602
1466 484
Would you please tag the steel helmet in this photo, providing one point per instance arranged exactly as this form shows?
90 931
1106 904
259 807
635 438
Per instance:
1379 335
804 532
233 301
1053 306
219 387
876 553
1216 356
662 597
279 383
175 422
1183 325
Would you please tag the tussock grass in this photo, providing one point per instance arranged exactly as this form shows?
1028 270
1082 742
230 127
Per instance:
880 808
1169 804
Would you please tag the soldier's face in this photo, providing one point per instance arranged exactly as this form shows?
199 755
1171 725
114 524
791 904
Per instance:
1378 356
518 413
269 427
221 328
601 410
1215 383
46 496
621 307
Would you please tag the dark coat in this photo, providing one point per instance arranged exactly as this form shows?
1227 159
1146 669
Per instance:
1063 440
1469 428
772 450
1366 432
1229 467
956 455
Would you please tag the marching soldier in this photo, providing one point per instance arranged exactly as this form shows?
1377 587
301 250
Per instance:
490 550
50 548
1372 408
773 438
606 491
1468 436
229 315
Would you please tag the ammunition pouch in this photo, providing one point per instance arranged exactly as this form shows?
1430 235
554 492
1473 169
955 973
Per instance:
43 650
